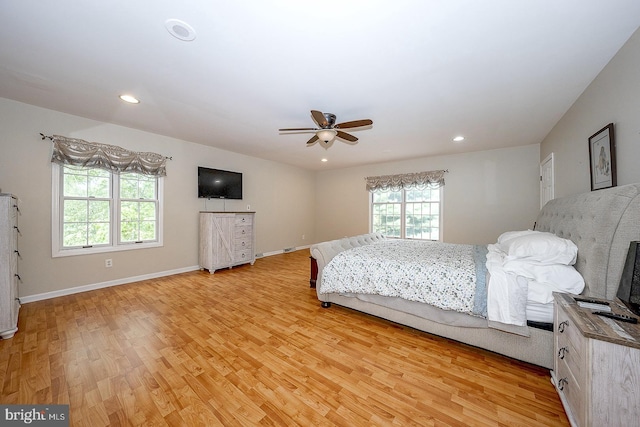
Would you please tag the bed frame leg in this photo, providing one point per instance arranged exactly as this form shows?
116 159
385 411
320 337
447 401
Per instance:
326 304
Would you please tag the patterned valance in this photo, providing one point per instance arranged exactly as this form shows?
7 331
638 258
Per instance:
432 179
76 152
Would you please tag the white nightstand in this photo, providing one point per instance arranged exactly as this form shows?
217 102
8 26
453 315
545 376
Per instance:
597 365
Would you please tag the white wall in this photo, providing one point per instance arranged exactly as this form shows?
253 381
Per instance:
281 195
486 193
613 97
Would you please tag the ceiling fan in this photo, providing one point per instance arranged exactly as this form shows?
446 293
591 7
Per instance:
328 130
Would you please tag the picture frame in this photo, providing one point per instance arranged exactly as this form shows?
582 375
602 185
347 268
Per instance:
602 158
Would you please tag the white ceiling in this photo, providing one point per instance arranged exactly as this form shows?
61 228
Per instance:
499 72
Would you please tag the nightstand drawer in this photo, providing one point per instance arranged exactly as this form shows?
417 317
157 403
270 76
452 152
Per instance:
596 365
571 389
570 347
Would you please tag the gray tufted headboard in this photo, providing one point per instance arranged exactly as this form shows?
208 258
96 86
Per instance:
601 223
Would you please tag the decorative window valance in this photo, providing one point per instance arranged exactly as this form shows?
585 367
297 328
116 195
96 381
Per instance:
77 152
432 179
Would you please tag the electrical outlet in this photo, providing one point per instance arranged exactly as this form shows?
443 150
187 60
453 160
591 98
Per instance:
303 237
108 262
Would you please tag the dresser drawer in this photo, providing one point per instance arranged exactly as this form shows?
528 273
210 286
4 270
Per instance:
243 255
242 220
241 232
242 244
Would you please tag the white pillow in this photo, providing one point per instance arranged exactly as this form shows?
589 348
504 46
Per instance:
512 234
541 247
545 279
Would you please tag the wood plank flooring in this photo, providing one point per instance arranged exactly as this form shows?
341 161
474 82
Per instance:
252 346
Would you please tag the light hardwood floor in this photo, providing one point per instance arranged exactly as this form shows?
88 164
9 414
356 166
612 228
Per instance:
252 346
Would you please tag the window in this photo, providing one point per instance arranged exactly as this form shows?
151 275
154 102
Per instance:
95 210
409 213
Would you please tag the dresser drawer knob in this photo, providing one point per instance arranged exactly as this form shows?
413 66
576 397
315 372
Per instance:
561 383
562 326
562 352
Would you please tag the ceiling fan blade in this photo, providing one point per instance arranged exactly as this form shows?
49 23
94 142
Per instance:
312 141
354 124
319 118
347 137
296 129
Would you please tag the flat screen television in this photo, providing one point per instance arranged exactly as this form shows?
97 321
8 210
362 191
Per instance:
629 288
219 184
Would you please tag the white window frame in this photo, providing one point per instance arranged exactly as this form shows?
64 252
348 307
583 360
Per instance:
57 250
403 216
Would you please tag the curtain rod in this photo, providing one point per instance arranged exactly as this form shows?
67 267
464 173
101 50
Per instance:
51 138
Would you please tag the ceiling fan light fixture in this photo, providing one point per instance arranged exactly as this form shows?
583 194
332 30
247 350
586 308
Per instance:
326 135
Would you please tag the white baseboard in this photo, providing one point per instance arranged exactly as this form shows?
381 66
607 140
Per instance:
123 281
91 287
287 250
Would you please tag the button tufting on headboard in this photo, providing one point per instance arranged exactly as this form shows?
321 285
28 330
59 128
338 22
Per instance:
601 224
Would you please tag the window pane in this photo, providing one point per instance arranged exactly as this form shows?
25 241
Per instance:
99 211
129 211
387 219
75 185
387 196
147 230
75 234
98 233
99 187
147 211
412 213
148 188
88 207
75 210
83 182
138 221
129 231
136 186
128 188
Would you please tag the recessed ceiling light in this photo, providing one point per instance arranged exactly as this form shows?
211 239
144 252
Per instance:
324 160
130 99
458 138
180 30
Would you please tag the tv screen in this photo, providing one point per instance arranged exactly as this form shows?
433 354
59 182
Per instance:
219 184
629 288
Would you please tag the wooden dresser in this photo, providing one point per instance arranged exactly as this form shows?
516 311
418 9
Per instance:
597 365
9 302
226 239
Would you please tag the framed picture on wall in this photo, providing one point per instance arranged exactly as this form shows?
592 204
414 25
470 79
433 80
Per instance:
602 158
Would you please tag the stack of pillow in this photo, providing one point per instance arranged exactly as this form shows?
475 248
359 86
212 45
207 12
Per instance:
544 259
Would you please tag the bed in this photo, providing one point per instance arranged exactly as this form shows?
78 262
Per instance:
600 224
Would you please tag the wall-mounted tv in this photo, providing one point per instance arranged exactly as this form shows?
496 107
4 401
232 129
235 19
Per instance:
219 184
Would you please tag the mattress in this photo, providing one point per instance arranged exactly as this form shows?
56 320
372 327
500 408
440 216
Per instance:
538 312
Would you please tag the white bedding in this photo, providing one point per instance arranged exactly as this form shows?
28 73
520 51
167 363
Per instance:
538 312
524 269
440 274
